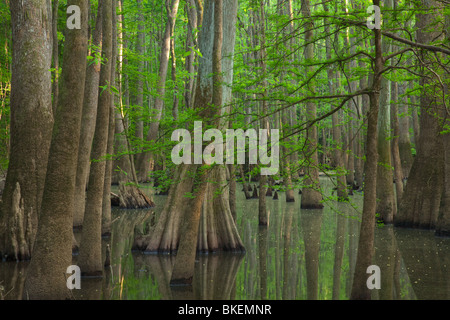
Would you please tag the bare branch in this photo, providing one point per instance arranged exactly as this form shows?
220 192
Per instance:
415 44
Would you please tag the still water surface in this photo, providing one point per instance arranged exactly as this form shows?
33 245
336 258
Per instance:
303 254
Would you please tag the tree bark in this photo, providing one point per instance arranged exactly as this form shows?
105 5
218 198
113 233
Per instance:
106 205
443 223
46 275
90 104
90 256
31 121
420 204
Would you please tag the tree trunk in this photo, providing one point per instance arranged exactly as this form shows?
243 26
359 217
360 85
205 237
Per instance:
140 49
183 270
90 256
191 44
311 196
106 205
386 207
366 239
398 172
420 204
31 122
443 223
46 275
165 237
285 9
264 123
404 140
90 103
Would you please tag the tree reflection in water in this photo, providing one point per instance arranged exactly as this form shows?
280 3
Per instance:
302 254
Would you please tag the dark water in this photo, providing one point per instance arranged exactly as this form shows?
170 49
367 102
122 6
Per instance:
303 254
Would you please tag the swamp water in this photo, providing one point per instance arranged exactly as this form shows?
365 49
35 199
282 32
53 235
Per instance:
302 254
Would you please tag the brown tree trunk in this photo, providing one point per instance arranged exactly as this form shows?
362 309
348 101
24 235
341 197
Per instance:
31 123
90 256
420 204
90 103
46 275
443 223
366 239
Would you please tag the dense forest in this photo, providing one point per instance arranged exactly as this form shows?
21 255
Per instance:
113 104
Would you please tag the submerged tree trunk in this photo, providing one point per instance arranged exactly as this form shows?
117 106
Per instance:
46 275
31 126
